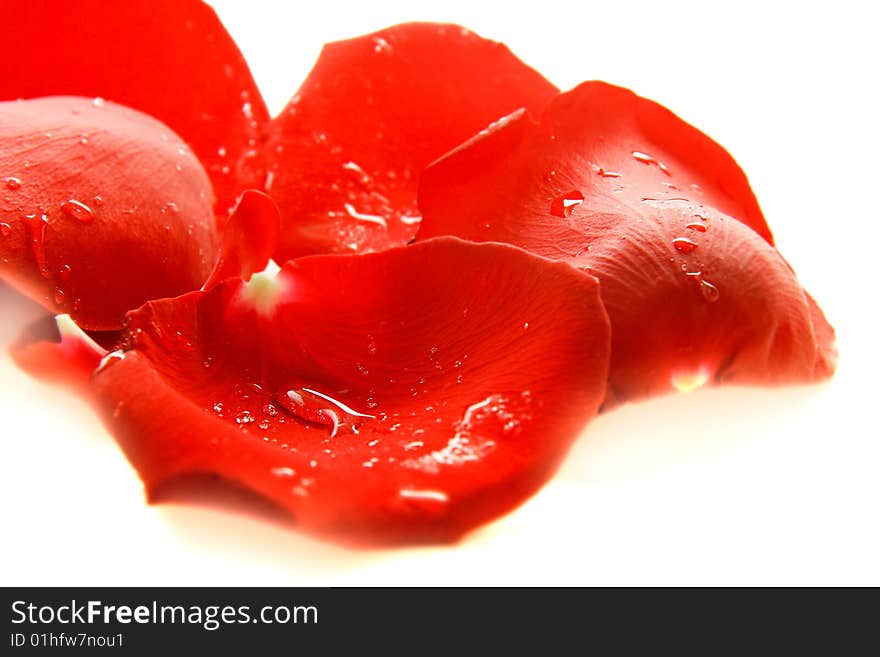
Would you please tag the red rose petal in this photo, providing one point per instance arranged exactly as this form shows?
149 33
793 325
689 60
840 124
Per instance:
346 154
615 185
402 396
108 209
55 350
249 238
171 59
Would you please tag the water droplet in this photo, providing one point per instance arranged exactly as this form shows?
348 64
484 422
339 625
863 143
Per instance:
99 102
697 226
36 228
424 500
218 407
564 205
245 417
98 201
221 152
381 45
270 409
64 273
684 245
371 345
710 292
5 229
59 296
607 174
77 210
13 183
283 472
313 406
644 158
688 380
359 175
369 218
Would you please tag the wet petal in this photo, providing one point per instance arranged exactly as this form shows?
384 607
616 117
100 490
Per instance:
347 152
171 59
248 240
619 187
101 209
54 349
372 416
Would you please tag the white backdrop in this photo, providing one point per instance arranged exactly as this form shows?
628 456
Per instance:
728 486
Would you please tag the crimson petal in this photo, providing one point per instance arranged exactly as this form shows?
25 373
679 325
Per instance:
101 208
171 59
374 396
248 240
54 349
620 187
346 154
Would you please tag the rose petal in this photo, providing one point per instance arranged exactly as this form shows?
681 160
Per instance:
374 397
346 154
171 59
249 238
620 187
101 209
54 349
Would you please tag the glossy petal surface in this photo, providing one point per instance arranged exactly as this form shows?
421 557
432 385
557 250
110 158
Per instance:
248 239
171 59
346 154
621 188
403 396
101 209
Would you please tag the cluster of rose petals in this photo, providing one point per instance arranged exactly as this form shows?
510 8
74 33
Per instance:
472 264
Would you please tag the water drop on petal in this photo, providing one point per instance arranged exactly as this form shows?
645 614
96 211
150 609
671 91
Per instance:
564 204
684 245
78 210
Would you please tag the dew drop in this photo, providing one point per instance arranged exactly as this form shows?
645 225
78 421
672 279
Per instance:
77 210
381 45
564 204
218 407
607 174
644 158
99 102
424 500
368 218
697 226
312 406
688 381
5 229
13 183
245 417
684 245
64 273
36 228
59 296
710 292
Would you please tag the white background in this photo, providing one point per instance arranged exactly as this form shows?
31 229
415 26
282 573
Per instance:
728 486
